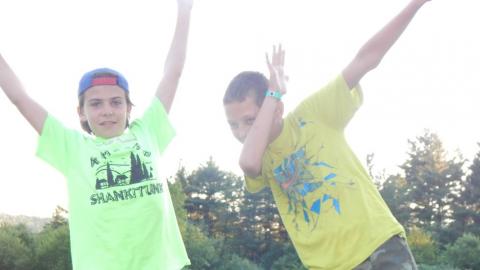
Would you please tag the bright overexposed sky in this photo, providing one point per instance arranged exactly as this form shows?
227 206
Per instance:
427 80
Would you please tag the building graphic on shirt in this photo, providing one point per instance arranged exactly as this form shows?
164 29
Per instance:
111 172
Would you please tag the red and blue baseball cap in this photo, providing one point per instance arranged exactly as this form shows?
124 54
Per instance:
102 76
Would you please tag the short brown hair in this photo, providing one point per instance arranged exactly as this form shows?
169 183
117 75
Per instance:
244 84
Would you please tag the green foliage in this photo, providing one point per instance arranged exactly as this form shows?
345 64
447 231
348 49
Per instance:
393 191
201 249
433 182
436 194
53 249
288 260
20 249
436 267
234 262
422 246
467 211
58 218
464 253
178 200
212 199
225 228
16 248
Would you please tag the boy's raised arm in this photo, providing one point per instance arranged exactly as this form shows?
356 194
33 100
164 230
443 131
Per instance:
263 129
176 55
372 52
29 108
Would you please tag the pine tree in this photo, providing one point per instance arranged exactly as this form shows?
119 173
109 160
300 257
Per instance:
467 211
134 169
110 181
432 183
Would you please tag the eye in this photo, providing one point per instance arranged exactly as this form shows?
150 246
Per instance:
117 102
95 104
233 125
250 121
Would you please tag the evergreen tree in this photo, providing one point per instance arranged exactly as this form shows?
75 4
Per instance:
16 248
58 218
145 174
467 211
178 200
53 249
433 183
261 231
110 181
393 191
213 197
134 172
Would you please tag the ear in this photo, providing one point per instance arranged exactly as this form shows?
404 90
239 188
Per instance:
129 109
81 114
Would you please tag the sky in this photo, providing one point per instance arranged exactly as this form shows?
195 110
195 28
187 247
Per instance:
428 80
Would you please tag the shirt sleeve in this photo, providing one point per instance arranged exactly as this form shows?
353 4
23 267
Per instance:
335 104
155 124
254 185
54 142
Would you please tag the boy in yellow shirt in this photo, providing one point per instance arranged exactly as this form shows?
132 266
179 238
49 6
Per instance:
332 211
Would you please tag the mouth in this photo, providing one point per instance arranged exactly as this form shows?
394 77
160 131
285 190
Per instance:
108 123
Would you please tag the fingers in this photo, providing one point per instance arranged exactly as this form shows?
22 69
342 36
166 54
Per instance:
275 63
278 55
269 64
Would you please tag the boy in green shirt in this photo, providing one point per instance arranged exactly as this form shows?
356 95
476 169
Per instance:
120 212
332 211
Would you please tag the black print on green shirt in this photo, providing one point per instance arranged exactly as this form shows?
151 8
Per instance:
126 194
124 165
113 174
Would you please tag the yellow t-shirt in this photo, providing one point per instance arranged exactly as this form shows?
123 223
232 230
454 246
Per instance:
332 211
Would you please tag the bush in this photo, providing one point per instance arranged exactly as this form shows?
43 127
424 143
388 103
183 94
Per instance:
201 249
464 253
289 260
423 247
436 267
16 248
53 249
235 262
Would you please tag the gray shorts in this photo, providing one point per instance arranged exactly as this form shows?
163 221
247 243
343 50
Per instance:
391 255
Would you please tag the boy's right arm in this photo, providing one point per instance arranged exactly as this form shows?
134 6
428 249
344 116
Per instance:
29 108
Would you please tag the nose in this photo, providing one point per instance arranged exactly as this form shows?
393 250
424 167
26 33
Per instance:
241 134
108 111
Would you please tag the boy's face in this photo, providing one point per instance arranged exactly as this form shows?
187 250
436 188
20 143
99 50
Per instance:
106 110
241 116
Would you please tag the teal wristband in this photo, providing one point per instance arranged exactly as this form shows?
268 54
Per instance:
275 94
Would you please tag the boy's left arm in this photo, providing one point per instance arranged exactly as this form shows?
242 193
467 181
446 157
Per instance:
260 132
372 52
176 55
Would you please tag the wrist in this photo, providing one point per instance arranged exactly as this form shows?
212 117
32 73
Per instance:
274 94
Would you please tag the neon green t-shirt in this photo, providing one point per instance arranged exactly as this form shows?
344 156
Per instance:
120 212
332 211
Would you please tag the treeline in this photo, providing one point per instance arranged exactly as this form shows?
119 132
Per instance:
22 249
435 196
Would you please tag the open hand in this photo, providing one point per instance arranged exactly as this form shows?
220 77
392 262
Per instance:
278 80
